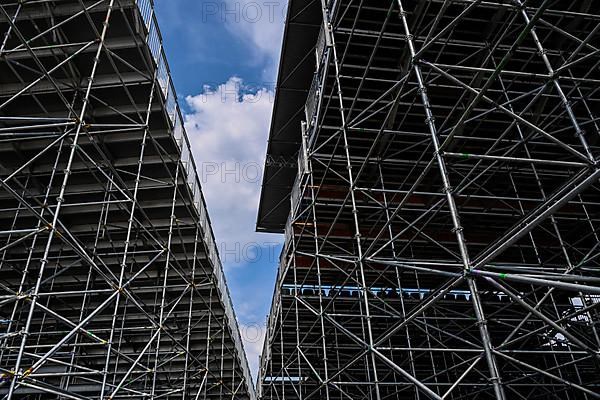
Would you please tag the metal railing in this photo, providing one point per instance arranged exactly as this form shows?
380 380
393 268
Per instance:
320 46
311 100
154 41
311 106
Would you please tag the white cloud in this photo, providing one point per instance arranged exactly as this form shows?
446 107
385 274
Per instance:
260 23
253 337
228 129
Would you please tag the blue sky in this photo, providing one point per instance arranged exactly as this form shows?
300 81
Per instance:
223 57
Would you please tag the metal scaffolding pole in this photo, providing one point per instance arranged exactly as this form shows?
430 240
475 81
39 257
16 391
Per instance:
111 281
441 221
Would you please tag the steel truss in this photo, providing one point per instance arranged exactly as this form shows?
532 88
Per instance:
110 281
442 239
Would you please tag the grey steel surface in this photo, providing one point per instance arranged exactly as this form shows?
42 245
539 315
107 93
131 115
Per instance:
442 221
110 281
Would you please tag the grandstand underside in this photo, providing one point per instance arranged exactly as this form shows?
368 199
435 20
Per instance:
442 213
110 282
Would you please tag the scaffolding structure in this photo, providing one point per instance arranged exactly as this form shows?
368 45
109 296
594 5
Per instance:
441 225
110 281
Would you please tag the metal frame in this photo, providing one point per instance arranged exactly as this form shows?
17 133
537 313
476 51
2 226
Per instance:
111 284
442 240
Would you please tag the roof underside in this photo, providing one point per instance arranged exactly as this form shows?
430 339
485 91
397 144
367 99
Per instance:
296 70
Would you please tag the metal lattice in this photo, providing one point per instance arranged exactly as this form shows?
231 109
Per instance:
110 281
442 240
